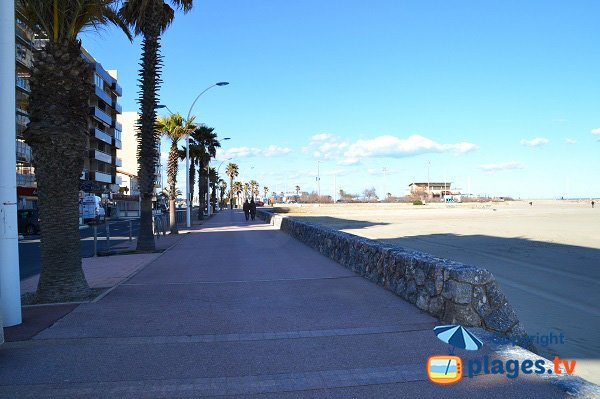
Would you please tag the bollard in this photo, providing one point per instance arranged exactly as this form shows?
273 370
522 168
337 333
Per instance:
95 240
130 230
107 237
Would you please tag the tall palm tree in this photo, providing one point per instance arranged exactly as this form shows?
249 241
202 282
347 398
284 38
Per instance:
222 187
266 191
254 188
174 128
195 153
149 18
246 190
213 178
297 190
237 189
232 170
61 84
207 141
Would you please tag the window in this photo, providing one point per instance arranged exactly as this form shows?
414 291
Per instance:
98 80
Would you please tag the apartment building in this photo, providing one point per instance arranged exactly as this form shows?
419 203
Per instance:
104 138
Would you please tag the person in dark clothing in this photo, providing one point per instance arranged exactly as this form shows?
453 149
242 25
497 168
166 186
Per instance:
252 209
593 203
246 208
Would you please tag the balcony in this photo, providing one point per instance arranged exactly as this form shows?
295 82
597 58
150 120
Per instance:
101 115
102 136
23 84
23 152
22 120
118 107
117 89
117 125
100 156
104 96
85 175
118 161
26 179
103 74
102 177
117 143
23 56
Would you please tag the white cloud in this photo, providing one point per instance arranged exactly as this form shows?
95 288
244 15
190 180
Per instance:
245 152
321 137
538 141
395 147
570 141
596 131
501 166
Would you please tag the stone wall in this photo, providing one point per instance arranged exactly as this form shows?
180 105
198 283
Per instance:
450 291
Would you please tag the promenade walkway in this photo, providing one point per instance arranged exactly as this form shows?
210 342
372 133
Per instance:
238 309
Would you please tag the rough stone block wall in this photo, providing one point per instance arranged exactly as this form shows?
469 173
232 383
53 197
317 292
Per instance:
451 291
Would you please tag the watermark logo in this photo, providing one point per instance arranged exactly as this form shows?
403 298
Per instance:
448 369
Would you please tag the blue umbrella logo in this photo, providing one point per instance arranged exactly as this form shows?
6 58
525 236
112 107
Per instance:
458 337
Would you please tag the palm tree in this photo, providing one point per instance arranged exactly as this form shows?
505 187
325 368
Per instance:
232 171
195 153
254 188
297 190
246 190
61 84
150 18
266 191
206 139
174 128
237 190
213 178
223 187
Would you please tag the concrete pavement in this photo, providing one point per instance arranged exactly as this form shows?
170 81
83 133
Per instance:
240 309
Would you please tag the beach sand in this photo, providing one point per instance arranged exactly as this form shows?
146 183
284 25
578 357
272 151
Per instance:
546 258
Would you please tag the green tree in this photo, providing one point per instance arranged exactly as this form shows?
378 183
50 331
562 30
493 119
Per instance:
207 142
231 170
149 18
237 189
174 128
61 84
213 178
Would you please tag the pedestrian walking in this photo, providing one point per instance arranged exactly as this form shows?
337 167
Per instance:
246 208
593 204
252 209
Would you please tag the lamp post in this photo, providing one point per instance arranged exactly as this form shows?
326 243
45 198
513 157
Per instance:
10 288
188 202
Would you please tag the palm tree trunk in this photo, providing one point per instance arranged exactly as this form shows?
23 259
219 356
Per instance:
192 174
200 191
147 137
172 165
58 108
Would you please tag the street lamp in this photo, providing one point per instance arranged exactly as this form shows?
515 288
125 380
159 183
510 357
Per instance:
188 215
188 218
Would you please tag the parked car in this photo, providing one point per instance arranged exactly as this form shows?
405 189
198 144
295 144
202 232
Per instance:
260 203
92 209
28 221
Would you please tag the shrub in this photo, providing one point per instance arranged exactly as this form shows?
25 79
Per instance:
417 202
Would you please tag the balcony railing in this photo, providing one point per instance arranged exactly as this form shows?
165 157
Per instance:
103 74
117 143
23 84
100 156
27 180
22 120
117 125
23 55
118 107
117 89
101 115
102 136
102 177
118 161
103 95
23 152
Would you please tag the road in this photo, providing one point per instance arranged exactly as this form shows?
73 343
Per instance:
29 248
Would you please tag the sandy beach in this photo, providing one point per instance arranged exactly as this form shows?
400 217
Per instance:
546 257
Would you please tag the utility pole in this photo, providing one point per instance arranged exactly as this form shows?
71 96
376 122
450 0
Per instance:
10 286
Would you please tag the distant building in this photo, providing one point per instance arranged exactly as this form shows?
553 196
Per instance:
430 191
104 131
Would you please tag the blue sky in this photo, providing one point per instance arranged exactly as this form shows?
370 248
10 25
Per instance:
501 97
